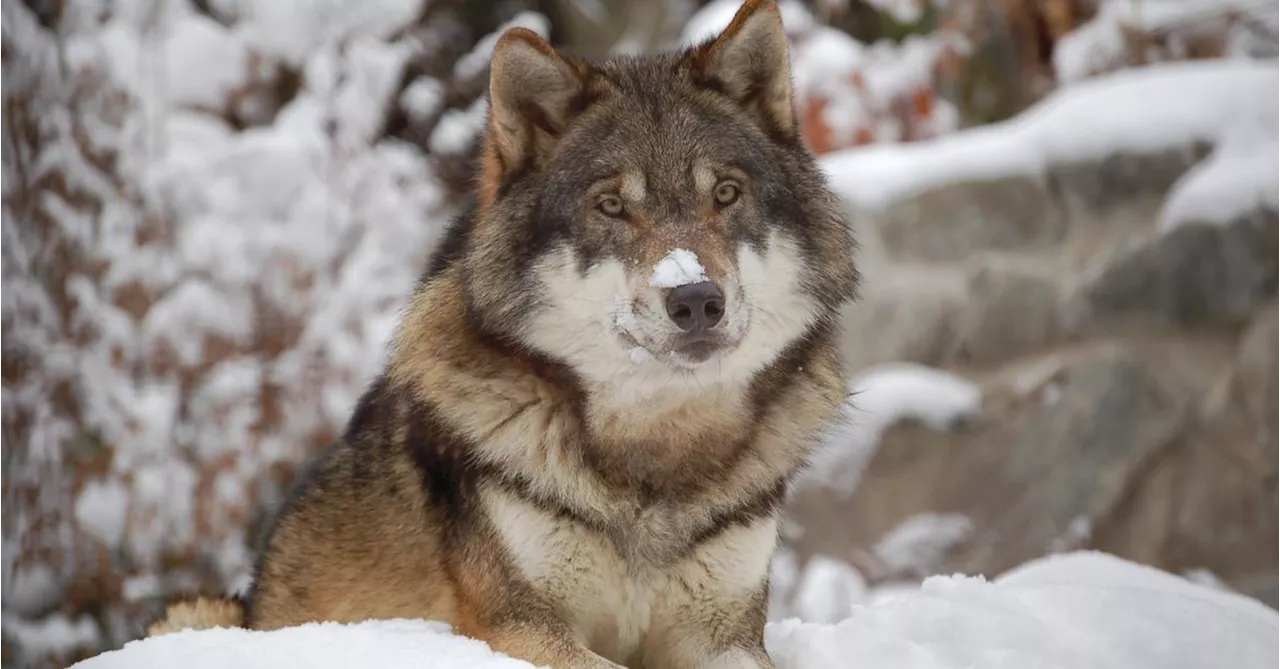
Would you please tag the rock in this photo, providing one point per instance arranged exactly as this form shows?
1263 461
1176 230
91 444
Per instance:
1011 311
1032 474
954 221
1191 275
1264 587
1256 370
1208 503
1087 190
911 317
1071 460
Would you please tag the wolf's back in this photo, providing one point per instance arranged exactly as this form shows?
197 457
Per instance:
199 614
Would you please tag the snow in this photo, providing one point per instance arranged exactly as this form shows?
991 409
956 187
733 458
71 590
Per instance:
678 268
860 85
101 508
860 88
54 636
640 354
1063 612
1072 611
1241 176
1148 109
1101 43
918 544
476 61
894 392
232 287
385 644
294 29
827 591
30 589
881 397
902 11
715 16
205 63
422 98
457 128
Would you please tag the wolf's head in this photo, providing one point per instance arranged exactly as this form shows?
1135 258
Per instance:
654 221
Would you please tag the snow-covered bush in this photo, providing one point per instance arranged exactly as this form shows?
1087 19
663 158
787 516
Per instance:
207 239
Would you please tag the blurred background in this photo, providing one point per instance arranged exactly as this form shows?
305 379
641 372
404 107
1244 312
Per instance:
213 211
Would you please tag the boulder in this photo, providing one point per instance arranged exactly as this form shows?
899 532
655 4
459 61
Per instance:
1194 274
1089 190
1256 367
1043 463
954 221
1011 311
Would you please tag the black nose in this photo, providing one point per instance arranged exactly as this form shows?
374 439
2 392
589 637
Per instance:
696 307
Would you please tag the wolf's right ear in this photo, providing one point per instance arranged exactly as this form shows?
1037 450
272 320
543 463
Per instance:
532 96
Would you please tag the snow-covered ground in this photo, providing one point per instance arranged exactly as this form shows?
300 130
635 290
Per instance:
1074 611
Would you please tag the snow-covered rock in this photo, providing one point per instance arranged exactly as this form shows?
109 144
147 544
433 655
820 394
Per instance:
1240 178
1143 110
880 398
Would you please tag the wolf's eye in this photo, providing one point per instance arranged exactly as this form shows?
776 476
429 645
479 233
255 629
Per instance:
726 193
610 205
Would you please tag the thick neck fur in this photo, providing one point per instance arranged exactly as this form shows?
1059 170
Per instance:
527 415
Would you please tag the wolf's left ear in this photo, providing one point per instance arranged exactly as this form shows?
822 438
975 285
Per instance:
749 61
532 93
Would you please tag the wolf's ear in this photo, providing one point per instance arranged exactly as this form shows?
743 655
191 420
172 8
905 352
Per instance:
749 61
532 92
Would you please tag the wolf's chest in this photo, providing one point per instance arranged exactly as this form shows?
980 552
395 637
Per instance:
620 593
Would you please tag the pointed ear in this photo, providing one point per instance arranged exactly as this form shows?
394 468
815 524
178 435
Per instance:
533 92
750 62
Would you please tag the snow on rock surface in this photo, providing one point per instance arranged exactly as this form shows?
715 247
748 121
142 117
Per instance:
678 268
827 590
919 543
1241 176
881 397
1146 109
1074 611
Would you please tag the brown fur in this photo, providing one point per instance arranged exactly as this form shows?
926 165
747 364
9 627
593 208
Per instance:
489 483
198 613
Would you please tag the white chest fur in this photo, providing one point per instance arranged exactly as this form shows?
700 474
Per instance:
616 606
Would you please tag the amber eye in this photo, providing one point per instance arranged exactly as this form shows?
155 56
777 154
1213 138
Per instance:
727 193
610 205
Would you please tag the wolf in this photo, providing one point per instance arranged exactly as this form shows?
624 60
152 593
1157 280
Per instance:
615 363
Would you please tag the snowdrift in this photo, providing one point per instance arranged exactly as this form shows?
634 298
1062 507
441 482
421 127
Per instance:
1079 610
